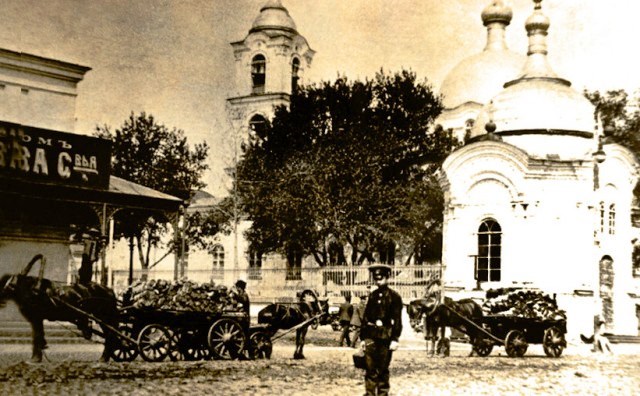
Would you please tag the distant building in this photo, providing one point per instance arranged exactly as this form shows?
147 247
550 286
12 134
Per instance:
270 63
57 196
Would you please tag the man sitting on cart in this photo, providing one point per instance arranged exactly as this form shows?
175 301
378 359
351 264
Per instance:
241 295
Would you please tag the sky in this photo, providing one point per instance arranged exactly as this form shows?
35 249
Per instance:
172 58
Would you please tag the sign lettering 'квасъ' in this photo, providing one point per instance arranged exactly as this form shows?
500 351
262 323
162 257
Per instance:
52 157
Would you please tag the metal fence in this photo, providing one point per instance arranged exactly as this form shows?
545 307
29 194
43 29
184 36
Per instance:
283 284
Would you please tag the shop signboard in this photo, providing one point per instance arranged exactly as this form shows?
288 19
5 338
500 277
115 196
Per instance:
52 157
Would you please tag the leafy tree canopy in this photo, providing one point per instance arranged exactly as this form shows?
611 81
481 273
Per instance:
150 154
621 113
347 171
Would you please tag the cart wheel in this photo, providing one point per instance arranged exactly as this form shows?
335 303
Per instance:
196 352
175 345
483 346
553 342
515 344
226 339
154 342
124 351
260 345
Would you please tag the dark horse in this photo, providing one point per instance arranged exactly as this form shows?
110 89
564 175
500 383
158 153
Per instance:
463 315
282 316
39 299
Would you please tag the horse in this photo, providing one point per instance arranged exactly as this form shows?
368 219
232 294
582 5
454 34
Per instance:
279 316
38 299
461 315
419 324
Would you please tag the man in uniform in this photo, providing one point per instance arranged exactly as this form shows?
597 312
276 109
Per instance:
381 328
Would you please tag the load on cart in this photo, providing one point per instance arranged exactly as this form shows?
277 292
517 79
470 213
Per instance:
183 320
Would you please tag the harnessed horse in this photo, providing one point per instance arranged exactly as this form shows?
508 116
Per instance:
442 313
300 315
39 299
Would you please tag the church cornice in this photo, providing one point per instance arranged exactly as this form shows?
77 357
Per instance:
556 132
266 97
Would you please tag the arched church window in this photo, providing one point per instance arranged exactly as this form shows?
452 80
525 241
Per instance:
258 73
602 217
295 71
612 219
258 124
489 251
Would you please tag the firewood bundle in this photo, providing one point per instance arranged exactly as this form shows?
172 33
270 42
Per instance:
532 304
181 295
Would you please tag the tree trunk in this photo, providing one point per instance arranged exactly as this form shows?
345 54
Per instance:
144 263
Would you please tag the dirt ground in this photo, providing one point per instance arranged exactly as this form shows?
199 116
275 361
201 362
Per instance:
328 370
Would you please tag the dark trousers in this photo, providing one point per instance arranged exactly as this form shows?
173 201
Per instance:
356 336
345 333
377 359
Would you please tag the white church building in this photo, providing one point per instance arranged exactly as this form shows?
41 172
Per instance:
537 197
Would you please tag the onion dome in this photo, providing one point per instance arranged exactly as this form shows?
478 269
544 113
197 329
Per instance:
479 77
538 102
273 16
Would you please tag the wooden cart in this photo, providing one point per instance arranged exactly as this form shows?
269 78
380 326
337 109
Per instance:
188 335
516 333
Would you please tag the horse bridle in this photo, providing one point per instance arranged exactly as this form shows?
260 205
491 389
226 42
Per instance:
435 306
9 281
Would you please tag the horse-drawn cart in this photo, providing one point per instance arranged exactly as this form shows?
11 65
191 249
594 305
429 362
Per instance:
189 335
513 317
516 333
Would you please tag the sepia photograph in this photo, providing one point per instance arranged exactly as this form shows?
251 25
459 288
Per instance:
327 197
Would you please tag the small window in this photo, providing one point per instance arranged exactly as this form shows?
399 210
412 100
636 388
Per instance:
602 217
218 256
489 252
258 73
218 262
295 74
612 219
24 90
258 125
255 265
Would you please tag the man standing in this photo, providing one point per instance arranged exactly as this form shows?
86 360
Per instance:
356 319
344 315
382 325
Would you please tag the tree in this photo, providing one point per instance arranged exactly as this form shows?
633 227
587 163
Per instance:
150 154
621 112
346 172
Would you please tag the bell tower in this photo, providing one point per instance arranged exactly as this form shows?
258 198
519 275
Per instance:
270 63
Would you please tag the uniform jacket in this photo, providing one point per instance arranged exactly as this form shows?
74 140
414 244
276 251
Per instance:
383 315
